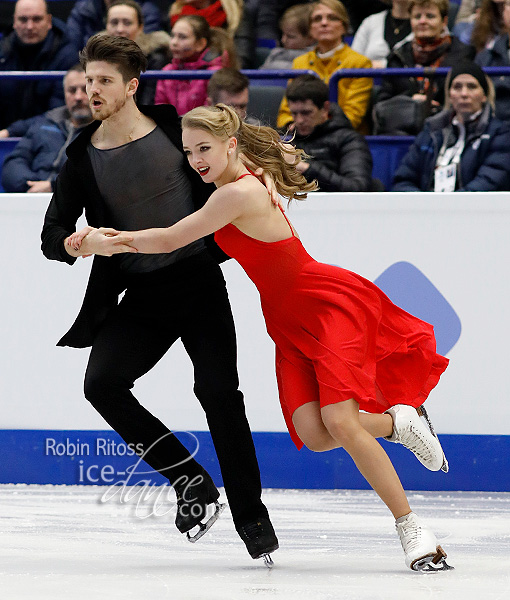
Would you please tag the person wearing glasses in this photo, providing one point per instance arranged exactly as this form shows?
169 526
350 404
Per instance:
329 22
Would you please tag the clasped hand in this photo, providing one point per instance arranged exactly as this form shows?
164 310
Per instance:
104 241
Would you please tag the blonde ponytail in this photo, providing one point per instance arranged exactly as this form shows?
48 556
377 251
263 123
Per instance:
261 145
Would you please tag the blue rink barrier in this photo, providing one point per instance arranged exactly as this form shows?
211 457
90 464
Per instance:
477 462
387 152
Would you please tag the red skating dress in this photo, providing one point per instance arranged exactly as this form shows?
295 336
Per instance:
337 335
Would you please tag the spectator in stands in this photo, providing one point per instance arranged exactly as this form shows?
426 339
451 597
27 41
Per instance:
230 86
295 40
378 33
464 148
194 46
328 25
234 16
499 56
488 24
218 13
36 161
36 44
125 19
88 17
430 45
269 13
338 157
468 13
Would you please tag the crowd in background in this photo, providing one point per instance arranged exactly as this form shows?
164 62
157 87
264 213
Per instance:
461 122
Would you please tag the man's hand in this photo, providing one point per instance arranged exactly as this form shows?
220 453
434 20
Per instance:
103 241
38 187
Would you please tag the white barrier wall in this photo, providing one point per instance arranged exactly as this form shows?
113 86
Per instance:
458 241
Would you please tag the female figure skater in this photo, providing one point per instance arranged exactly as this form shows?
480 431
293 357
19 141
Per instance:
341 345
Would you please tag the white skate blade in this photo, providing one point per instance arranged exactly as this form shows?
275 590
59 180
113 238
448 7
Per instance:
432 564
203 528
268 561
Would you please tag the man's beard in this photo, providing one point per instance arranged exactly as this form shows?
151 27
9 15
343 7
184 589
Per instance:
108 111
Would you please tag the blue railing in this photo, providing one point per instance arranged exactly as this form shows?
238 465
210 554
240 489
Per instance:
259 74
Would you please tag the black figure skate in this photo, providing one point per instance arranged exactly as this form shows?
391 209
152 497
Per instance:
260 539
193 498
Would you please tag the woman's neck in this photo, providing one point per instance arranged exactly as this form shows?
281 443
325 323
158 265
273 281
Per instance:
234 170
324 48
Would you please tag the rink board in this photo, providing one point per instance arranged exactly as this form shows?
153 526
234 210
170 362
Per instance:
443 258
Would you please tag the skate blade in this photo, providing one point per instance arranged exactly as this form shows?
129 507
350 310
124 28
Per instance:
268 561
433 564
422 412
203 528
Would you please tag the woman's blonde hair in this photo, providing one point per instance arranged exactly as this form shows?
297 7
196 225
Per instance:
233 11
261 145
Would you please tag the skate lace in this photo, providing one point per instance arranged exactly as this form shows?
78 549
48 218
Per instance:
409 533
252 530
413 440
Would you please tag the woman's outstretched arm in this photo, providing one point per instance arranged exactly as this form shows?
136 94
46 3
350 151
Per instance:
223 207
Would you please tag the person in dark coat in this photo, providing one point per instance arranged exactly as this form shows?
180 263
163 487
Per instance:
339 157
498 56
36 161
37 43
429 45
129 165
464 148
88 18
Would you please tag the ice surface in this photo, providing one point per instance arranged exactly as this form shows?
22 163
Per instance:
63 542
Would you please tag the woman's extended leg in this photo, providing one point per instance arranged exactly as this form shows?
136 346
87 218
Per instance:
342 420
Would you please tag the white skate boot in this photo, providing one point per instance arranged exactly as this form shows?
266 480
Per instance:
417 435
420 546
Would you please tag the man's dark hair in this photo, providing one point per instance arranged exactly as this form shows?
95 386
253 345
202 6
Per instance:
308 87
122 52
228 80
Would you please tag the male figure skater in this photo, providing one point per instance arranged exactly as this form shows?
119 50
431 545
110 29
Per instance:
128 169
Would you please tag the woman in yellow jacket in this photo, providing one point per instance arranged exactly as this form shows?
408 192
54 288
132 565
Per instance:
329 22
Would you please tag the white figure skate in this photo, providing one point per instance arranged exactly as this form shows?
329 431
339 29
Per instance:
417 435
422 552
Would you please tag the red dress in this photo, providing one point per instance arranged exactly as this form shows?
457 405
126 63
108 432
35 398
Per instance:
337 335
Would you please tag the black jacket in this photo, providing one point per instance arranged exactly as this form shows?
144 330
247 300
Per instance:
402 56
76 190
340 159
21 99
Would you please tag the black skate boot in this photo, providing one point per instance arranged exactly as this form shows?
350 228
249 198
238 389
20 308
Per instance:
193 497
260 539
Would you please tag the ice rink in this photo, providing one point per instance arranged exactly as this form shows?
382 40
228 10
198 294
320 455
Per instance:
73 542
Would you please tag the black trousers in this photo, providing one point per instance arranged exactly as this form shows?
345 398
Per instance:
187 300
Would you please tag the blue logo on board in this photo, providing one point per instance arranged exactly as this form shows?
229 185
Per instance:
410 289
